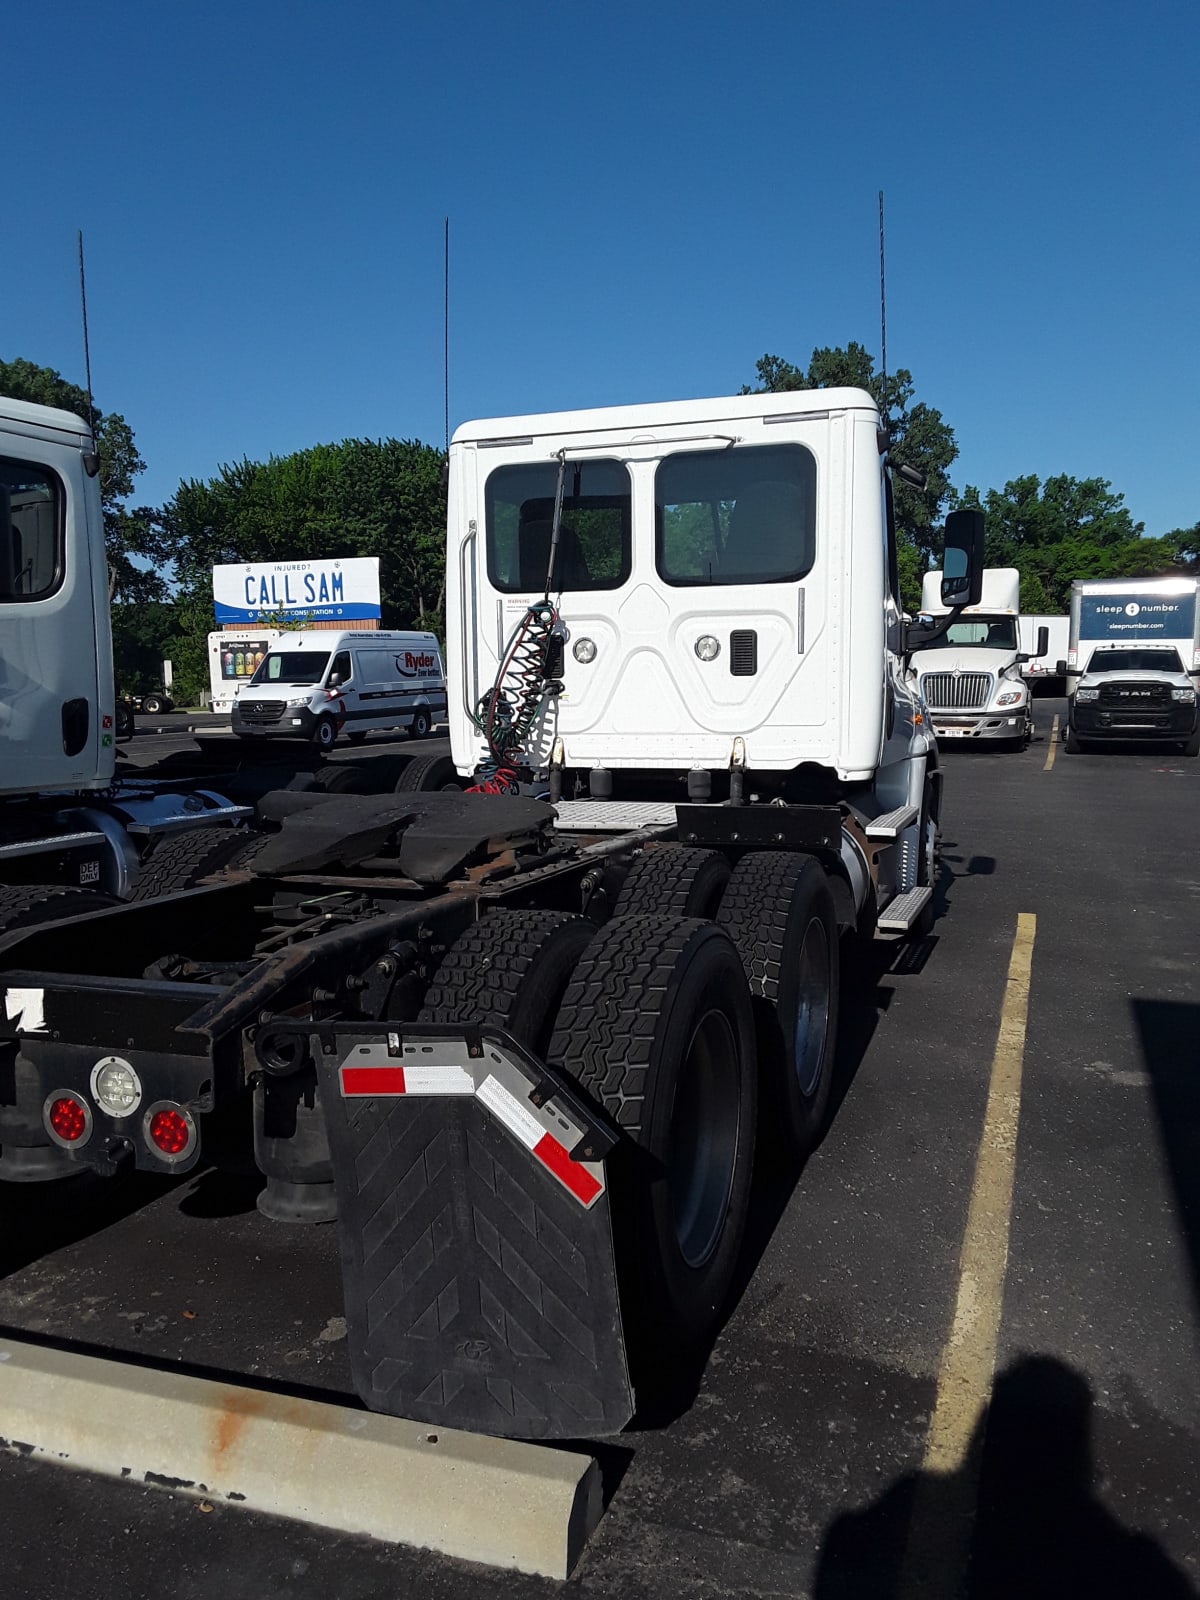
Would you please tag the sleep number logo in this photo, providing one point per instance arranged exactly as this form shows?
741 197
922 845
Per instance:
1117 618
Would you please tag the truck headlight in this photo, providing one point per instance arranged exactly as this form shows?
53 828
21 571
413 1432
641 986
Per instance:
708 648
303 701
1186 697
1011 697
1087 694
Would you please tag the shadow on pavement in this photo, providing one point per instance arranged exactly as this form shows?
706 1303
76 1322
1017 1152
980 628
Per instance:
1039 1533
1169 1031
37 1219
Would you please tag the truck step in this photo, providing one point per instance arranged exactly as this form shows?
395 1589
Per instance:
891 823
901 912
614 816
52 841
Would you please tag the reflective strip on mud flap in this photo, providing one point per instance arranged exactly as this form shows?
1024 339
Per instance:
364 1074
372 1071
553 1155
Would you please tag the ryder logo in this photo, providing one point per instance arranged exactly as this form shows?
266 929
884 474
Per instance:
416 664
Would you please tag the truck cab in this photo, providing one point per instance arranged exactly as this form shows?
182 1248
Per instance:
721 596
56 681
970 675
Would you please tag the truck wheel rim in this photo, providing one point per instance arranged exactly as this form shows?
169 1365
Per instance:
812 1007
704 1138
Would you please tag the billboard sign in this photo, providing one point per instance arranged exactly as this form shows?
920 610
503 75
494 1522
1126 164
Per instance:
297 592
1114 616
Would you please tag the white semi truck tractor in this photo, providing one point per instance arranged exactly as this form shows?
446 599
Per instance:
971 675
514 1039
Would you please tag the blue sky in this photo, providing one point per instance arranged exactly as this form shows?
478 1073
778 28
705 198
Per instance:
643 199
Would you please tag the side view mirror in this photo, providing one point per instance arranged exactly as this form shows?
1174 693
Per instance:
962 558
1043 641
1060 668
334 680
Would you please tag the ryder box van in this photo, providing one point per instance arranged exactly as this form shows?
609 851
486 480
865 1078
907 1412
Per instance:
317 684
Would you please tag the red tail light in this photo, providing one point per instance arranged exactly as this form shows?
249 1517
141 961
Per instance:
67 1118
169 1130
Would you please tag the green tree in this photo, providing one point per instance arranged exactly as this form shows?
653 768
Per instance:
919 437
133 539
1065 528
363 497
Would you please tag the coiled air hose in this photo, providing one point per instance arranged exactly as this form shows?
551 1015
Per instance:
506 714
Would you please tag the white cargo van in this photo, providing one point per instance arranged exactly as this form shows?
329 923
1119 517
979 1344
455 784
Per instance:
316 684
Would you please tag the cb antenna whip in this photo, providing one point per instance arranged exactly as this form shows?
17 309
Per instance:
882 319
446 331
87 358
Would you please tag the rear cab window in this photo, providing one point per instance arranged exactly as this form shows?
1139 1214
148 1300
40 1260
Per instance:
736 516
595 547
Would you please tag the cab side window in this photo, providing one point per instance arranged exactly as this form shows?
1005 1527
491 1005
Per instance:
31 532
341 672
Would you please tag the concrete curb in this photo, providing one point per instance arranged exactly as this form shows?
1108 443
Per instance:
494 1501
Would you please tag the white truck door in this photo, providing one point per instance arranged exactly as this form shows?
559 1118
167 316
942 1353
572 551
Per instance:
51 708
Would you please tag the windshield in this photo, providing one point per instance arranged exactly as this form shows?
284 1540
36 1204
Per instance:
998 634
291 666
1135 661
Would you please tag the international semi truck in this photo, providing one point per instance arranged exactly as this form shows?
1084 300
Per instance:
972 674
517 1035
1133 662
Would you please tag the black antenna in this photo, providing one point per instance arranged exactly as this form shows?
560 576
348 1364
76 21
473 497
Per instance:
882 316
87 358
446 331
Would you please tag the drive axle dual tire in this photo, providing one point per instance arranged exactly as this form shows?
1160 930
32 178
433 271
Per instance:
778 910
656 1027
672 881
181 860
511 970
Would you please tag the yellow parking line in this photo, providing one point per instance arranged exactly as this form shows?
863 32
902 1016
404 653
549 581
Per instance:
943 1507
1053 746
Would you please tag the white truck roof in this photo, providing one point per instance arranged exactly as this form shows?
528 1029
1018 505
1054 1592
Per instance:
327 638
1001 595
32 416
793 403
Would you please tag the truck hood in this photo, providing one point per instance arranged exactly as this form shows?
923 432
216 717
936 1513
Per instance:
973 658
1094 680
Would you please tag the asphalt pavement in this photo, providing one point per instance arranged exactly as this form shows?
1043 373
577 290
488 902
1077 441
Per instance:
802 1465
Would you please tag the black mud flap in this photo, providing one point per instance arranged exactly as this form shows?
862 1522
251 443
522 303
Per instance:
476 1235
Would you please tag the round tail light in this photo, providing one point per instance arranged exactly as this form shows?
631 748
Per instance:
67 1119
169 1130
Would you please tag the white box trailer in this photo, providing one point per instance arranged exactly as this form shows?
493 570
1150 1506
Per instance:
233 658
1044 667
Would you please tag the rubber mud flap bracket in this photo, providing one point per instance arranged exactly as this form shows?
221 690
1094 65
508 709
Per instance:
476 1234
